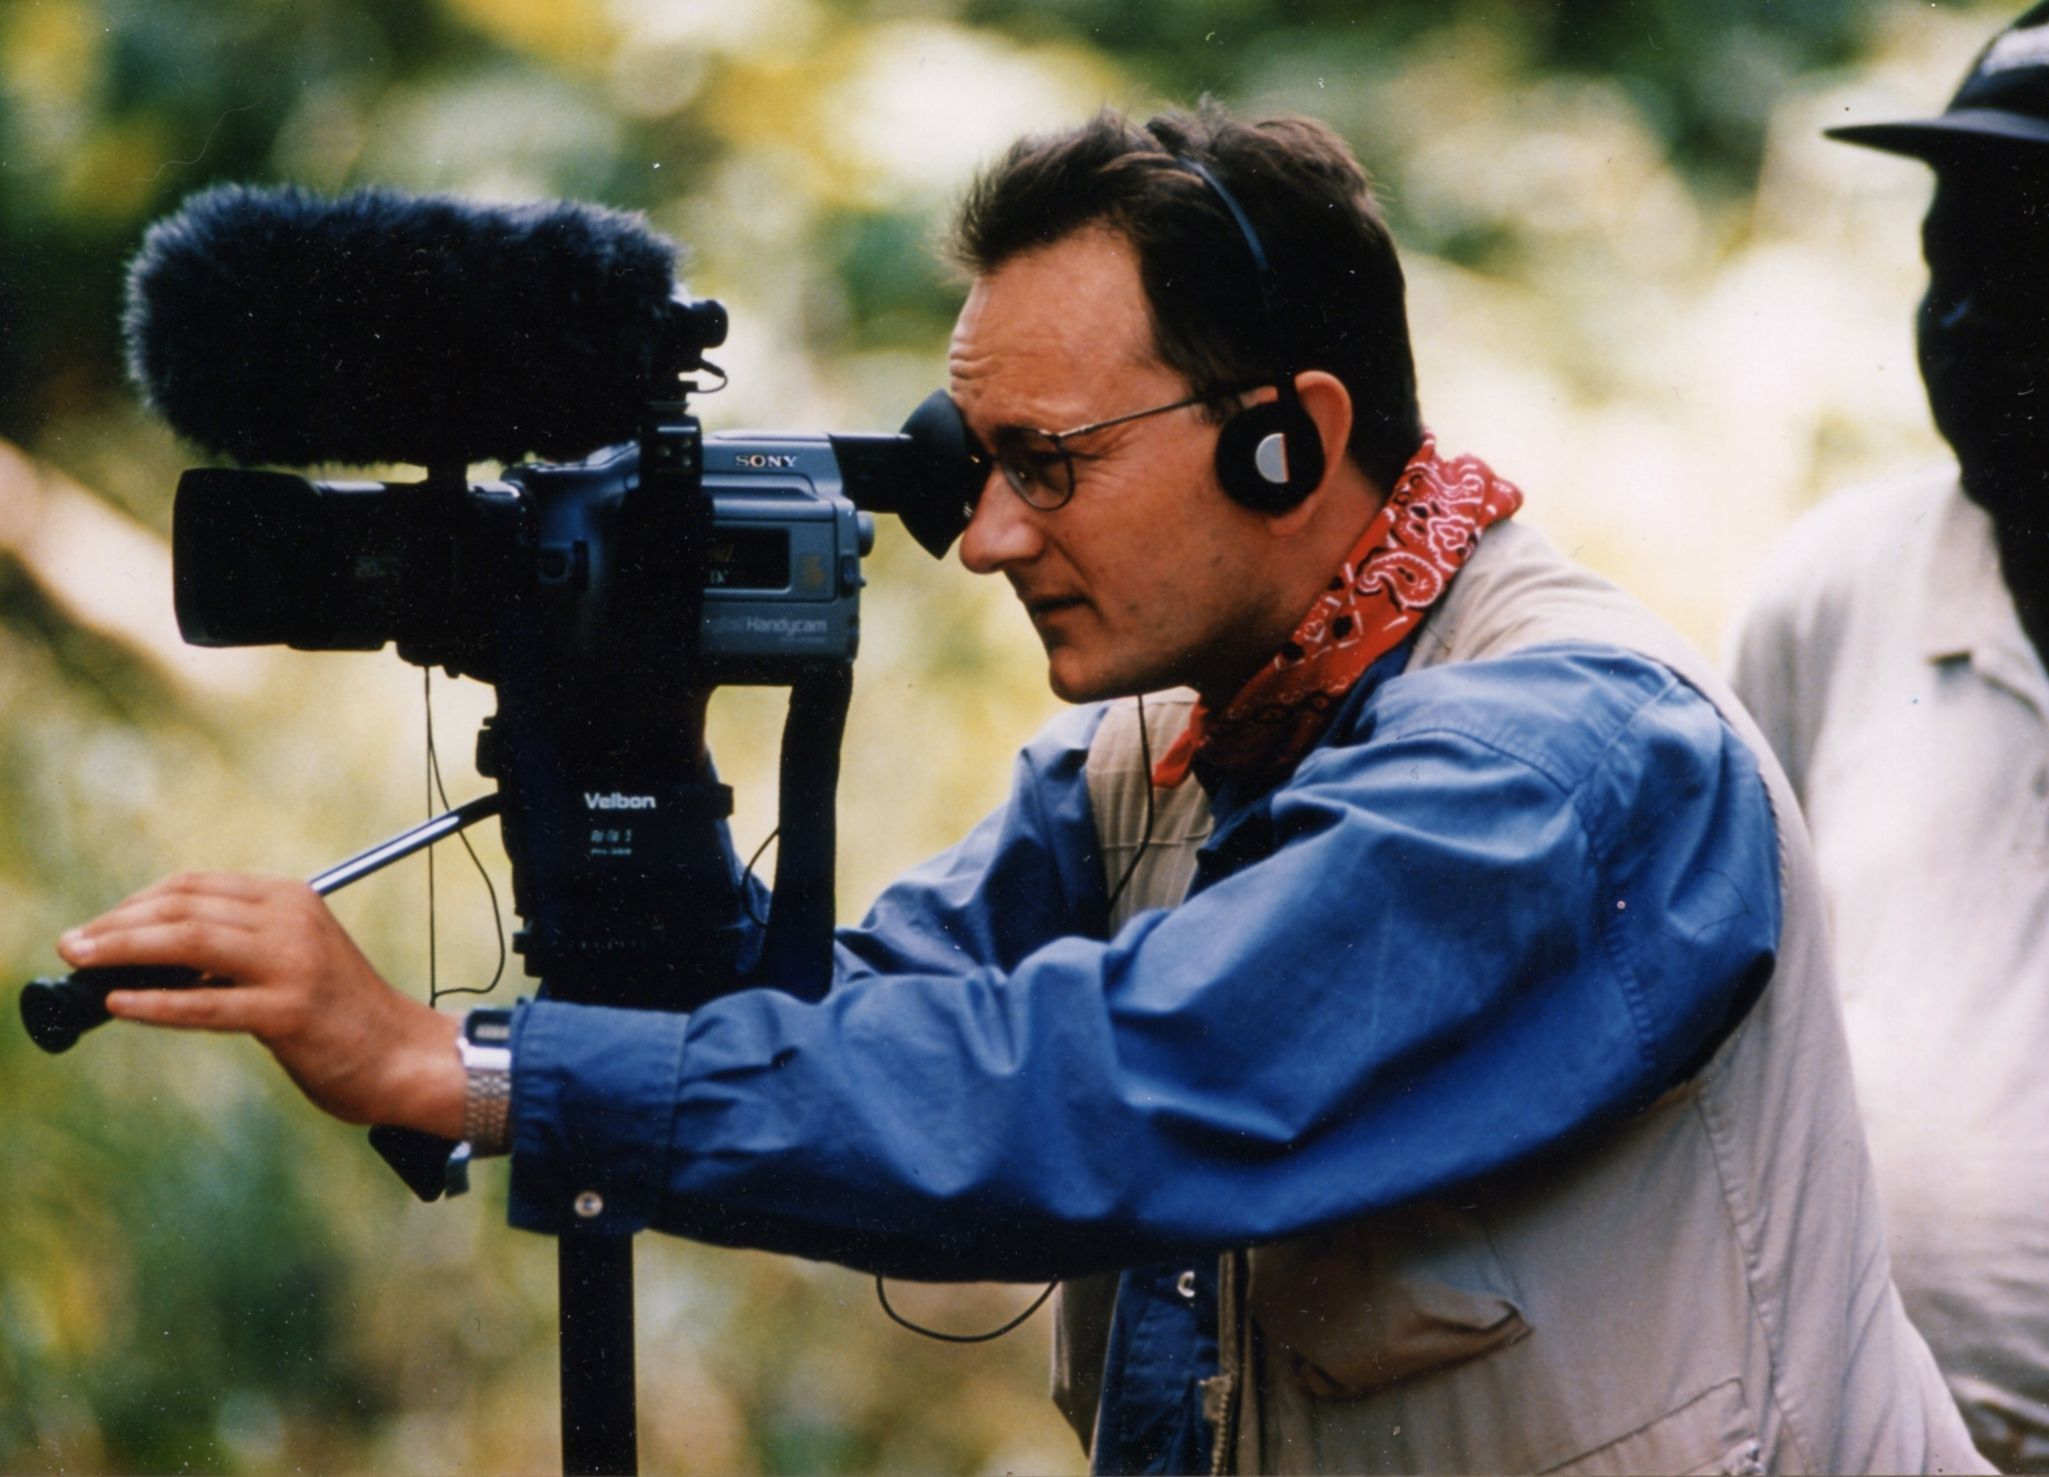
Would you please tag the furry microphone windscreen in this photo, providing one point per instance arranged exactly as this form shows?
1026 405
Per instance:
280 326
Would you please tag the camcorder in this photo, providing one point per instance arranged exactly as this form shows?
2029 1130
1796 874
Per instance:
603 594
273 558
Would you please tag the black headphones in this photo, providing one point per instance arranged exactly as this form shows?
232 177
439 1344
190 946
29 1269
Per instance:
1270 455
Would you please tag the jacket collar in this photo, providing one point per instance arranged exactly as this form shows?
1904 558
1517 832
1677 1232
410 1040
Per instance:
1969 614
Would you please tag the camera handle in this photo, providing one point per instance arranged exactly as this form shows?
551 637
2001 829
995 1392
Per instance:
796 949
57 1012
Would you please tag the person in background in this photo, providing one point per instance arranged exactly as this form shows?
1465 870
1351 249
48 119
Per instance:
1894 656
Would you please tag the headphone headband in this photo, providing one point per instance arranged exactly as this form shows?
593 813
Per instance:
1263 271
1269 457
1259 262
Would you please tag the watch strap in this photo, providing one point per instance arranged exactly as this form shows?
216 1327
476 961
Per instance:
485 1047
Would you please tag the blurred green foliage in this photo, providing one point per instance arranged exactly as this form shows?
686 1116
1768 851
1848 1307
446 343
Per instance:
1628 256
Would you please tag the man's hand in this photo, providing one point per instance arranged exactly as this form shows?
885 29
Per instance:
280 967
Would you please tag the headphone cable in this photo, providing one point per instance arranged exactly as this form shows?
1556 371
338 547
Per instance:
1145 750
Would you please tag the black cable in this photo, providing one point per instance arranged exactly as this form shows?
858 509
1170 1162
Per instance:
964 1338
747 874
435 786
433 910
1145 839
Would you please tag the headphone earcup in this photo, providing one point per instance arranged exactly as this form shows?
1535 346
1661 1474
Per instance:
1270 456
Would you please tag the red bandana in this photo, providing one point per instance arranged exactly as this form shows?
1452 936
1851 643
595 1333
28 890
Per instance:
1404 561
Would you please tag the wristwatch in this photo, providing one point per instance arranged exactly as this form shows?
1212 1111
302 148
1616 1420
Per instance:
485 1046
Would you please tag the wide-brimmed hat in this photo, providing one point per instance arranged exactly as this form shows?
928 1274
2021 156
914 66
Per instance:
2004 99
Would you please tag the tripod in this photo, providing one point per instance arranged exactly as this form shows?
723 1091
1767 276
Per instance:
595 1270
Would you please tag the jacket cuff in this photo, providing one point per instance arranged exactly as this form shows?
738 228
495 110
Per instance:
593 1102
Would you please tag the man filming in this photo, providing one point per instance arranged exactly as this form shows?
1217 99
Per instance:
1416 1047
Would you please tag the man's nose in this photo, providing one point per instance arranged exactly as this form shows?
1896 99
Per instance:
1004 530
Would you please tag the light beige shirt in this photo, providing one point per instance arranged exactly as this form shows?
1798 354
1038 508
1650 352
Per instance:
1885 663
1702 1286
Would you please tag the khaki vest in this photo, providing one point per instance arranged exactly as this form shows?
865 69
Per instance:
1700 1288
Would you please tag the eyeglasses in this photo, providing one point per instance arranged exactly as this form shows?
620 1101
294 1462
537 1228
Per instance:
1038 465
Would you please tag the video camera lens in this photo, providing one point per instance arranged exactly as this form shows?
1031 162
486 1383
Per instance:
262 558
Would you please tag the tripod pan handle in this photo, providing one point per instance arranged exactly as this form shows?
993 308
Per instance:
58 1011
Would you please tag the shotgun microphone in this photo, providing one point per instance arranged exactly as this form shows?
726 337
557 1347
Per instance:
276 325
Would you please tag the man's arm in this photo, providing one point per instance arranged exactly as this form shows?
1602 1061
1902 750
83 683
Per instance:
289 975
1459 946
355 1046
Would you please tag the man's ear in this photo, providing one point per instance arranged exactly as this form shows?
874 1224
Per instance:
1329 406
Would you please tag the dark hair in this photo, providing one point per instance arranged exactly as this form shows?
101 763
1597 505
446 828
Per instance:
1339 298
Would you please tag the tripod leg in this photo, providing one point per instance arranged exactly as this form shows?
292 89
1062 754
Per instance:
596 1313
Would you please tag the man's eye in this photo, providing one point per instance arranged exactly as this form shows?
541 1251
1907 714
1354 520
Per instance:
1034 466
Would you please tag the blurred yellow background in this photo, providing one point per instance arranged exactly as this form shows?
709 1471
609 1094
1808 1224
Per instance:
1642 285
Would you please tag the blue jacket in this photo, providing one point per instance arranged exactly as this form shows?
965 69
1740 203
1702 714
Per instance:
1395 971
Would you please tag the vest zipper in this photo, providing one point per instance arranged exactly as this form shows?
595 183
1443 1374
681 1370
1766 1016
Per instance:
1230 1364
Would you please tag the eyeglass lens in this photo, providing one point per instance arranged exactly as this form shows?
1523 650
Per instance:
1036 466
